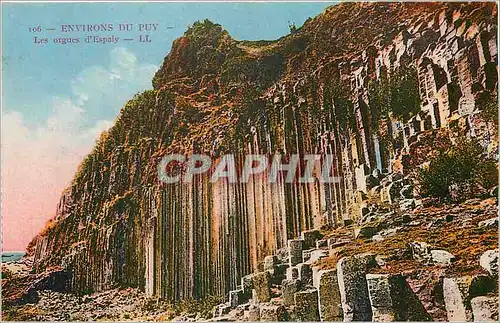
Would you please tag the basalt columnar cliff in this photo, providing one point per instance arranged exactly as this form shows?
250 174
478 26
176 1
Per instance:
361 81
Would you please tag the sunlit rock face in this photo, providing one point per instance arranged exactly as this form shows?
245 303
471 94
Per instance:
319 90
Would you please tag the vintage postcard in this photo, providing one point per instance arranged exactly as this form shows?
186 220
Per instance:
249 161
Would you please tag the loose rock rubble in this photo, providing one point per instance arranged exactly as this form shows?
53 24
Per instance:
412 274
126 304
442 261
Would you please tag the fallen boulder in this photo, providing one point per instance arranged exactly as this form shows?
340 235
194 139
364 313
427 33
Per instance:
351 274
306 305
272 313
485 309
262 287
422 251
442 257
330 305
289 288
252 314
489 261
489 223
392 299
295 248
457 293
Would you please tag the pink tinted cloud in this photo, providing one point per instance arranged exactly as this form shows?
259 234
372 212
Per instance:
36 166
38 163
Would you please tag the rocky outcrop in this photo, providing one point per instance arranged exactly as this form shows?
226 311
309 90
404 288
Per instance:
485 309
392 299
458 293
354 292
351 273
314 91
489 261
330 307
386 282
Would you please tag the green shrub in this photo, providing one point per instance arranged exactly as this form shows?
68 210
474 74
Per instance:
404 95
488 104
458 173
396 93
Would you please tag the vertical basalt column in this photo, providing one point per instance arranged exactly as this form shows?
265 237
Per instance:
149 255
206 236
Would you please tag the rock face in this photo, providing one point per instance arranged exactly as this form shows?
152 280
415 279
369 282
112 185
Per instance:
390 296
458 292
489 261
485 309
290 287
272 313
262 287
306 305
351 273
330 307
392 299
311 91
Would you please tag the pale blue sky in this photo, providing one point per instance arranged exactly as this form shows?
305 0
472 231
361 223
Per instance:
35 73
